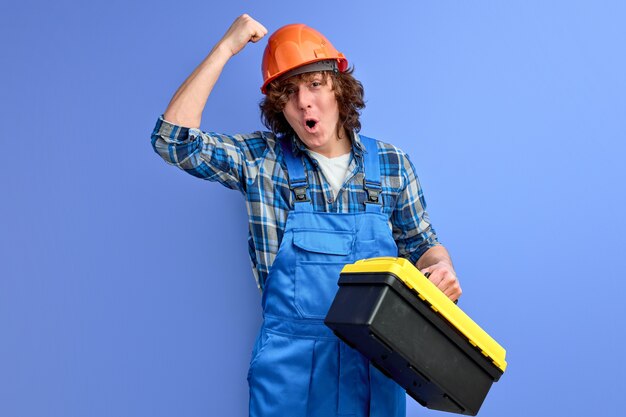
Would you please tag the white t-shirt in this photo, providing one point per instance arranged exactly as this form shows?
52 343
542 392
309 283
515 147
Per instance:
334 169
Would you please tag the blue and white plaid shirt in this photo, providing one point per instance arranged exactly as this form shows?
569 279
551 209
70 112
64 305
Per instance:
254 164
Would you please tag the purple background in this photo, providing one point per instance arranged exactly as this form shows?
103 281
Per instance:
125 287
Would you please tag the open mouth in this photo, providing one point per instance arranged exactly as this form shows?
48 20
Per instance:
311 123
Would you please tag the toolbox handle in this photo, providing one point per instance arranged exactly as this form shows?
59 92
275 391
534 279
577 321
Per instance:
427 274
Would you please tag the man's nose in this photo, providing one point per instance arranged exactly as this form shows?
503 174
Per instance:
304 97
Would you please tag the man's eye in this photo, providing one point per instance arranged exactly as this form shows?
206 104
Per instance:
316 83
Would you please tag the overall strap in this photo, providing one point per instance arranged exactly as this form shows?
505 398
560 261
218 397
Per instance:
297 178
371 182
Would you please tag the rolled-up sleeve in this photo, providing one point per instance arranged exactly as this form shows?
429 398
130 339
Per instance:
412 230
232 161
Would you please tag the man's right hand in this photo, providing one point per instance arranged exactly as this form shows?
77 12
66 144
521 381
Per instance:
243 30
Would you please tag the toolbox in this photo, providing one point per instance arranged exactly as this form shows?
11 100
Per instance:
390 312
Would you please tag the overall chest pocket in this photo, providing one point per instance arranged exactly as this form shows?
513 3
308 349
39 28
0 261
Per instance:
320 257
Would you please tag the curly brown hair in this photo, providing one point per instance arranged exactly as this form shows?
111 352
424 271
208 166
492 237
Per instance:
348 92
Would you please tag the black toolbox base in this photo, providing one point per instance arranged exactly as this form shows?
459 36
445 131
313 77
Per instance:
409 342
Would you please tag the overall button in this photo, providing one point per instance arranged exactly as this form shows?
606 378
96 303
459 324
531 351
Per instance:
329 200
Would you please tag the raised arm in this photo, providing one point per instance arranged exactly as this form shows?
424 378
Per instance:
231 160
185 108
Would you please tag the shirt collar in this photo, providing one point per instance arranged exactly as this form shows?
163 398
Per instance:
357 146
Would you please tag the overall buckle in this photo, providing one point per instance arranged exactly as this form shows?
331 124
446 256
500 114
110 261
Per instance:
299 186
301 195
373 190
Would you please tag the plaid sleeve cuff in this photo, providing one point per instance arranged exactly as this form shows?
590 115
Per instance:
417 253
172 133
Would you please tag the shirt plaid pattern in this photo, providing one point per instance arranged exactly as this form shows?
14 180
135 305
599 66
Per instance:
254 164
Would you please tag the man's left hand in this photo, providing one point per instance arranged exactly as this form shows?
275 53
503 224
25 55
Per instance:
443 276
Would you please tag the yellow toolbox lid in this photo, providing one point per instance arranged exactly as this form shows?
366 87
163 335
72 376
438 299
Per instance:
427 291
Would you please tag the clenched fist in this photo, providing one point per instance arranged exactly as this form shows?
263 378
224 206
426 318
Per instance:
243 30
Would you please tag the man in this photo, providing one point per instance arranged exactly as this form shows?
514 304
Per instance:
319 196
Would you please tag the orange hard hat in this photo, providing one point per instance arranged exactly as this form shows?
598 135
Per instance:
294 46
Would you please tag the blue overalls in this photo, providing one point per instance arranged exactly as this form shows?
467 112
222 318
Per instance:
299 368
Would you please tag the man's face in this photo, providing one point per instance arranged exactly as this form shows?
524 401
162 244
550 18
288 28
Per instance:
313 113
